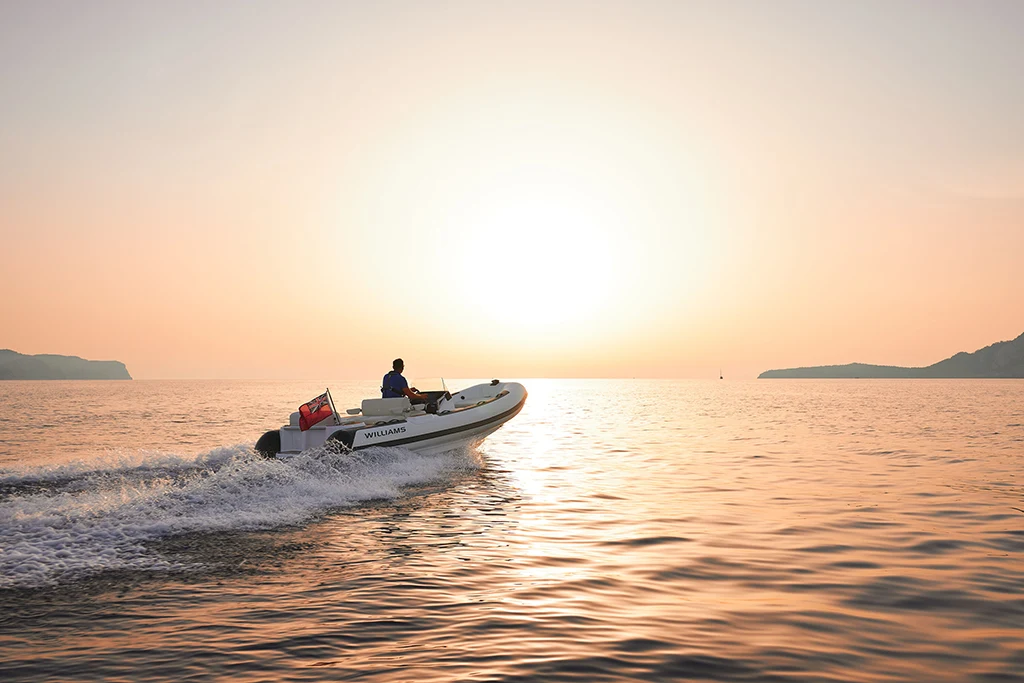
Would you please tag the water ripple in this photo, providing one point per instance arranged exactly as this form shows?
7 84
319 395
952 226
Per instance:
809 531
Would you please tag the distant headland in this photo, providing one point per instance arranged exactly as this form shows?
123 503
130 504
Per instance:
1000 360
14 365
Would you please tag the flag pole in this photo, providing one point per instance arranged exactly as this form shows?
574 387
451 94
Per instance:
330 402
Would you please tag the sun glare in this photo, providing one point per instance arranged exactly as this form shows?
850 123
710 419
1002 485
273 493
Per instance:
570 226
559 264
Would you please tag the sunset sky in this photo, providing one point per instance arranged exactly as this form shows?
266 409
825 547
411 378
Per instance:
565 189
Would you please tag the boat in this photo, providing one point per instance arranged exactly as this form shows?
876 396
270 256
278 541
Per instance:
448 420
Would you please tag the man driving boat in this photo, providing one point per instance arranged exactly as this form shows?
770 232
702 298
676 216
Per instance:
396 386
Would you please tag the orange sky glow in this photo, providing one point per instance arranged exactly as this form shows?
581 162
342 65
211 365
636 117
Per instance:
561 189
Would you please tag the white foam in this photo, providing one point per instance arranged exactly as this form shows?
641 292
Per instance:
65 521
118 462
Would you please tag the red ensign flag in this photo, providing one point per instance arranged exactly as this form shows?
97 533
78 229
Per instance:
314 411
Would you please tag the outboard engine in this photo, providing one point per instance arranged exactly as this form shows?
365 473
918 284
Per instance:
343 439
269 445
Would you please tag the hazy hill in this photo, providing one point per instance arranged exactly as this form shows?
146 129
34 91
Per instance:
1002 359
14 365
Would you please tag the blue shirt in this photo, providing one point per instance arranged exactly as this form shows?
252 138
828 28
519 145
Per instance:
392 385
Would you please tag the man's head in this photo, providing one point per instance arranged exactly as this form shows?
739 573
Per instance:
398 365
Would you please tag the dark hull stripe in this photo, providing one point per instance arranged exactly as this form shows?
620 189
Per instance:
454 430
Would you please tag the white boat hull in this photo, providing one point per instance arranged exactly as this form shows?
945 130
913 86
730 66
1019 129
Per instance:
464 418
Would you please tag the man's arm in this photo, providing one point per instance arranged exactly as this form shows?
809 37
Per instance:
412 395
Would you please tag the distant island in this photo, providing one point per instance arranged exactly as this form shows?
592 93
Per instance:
1000 360
14 365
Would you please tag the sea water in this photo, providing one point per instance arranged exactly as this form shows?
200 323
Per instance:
614 530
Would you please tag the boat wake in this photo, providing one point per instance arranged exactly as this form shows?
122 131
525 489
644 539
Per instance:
63 522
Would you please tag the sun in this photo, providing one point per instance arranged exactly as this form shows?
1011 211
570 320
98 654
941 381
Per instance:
554 264
557 226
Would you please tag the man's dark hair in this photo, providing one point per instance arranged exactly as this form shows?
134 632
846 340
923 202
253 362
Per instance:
398 365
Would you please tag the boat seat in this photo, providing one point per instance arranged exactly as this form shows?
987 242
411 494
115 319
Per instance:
386 406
